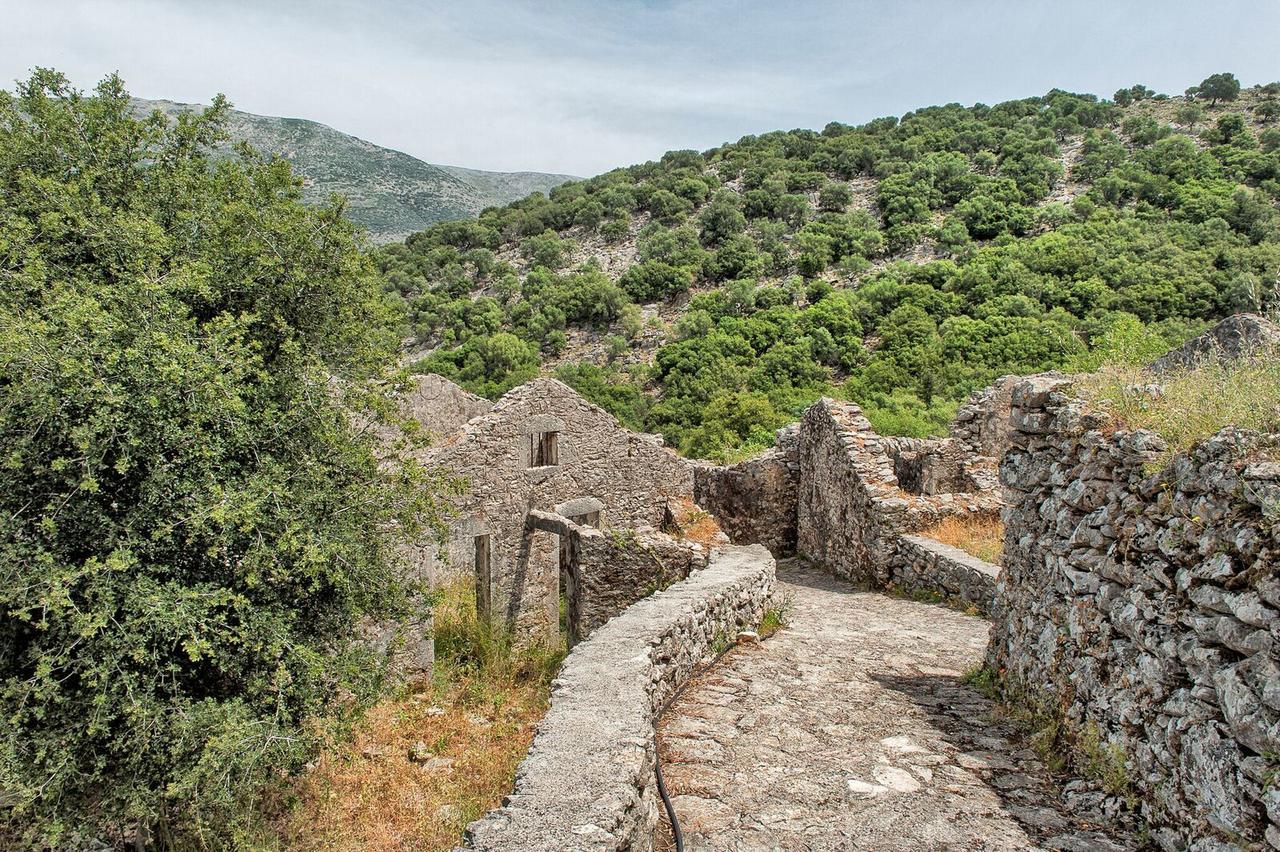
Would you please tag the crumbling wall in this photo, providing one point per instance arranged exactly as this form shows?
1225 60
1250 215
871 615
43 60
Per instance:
588 781
851 511
629 475
754 501
613 569
1144 604
441 406
982 423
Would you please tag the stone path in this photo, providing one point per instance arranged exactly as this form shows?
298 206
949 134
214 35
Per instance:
850 730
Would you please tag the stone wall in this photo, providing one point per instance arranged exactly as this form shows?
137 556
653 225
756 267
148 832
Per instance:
851 510
588 781
441 406
754 501
924 565
982 423
1145 603
625 477
609 571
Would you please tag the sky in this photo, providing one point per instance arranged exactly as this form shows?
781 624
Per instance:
582 86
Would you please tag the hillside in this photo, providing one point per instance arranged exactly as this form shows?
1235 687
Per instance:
902 263
389 193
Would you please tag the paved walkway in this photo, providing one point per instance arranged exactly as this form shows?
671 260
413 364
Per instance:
850 730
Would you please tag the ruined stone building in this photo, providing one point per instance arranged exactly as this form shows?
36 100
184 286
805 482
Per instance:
560 500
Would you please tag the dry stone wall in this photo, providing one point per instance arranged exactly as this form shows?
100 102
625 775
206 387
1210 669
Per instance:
931 567
1144 603
609 571
627 476
588 781
754 501
851 510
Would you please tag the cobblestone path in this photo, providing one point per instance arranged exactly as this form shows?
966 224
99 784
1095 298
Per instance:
850 730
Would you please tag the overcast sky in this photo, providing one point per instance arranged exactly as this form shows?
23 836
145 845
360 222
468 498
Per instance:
585 85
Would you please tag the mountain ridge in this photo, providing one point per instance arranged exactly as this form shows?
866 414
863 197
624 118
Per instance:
390 193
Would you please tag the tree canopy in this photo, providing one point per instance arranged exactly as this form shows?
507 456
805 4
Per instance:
903 263
191 525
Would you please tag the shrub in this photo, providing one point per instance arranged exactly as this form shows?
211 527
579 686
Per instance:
191 526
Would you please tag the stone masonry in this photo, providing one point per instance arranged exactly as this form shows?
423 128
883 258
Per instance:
755 500
588 781
543 447
852 510
1143 602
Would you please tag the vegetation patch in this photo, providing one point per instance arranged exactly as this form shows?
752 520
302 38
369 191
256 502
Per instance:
901 264
1063 745
777 616
981 536
421 766
1190 405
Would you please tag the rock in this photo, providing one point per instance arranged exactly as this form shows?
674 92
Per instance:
898 780
864 789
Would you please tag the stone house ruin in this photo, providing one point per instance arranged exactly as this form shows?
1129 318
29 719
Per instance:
561 502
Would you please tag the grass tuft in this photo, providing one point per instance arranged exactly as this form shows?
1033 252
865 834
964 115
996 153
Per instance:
419 767
1188 406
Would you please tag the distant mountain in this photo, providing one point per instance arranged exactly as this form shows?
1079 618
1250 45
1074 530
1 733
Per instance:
388 192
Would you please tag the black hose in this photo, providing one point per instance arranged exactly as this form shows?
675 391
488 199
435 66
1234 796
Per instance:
676 833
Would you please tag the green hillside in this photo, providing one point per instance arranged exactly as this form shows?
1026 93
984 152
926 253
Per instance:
901 263
389 193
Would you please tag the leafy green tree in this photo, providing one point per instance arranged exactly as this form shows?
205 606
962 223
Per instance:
545 249
1189 115
192 526
654 279
835 197
722 218
1219 87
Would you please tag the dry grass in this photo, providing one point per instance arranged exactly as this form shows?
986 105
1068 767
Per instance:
419 768
1190 405
978 535
691 522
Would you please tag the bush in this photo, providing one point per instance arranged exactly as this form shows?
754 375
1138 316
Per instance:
191 527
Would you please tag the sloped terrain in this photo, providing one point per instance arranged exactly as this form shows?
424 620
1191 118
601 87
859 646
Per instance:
388 192
902 263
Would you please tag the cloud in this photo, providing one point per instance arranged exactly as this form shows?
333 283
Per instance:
586 85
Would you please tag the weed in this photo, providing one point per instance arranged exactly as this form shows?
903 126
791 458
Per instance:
476 720
1191 404
777 616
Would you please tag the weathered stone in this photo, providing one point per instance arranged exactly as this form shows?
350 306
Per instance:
588 781
1187 684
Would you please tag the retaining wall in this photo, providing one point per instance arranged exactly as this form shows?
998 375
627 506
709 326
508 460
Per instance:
924 565
1144 604
588 781
851 509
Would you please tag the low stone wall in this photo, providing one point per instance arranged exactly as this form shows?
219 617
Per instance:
925 565
1144 604
615 568
588 782
851 510
754 501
